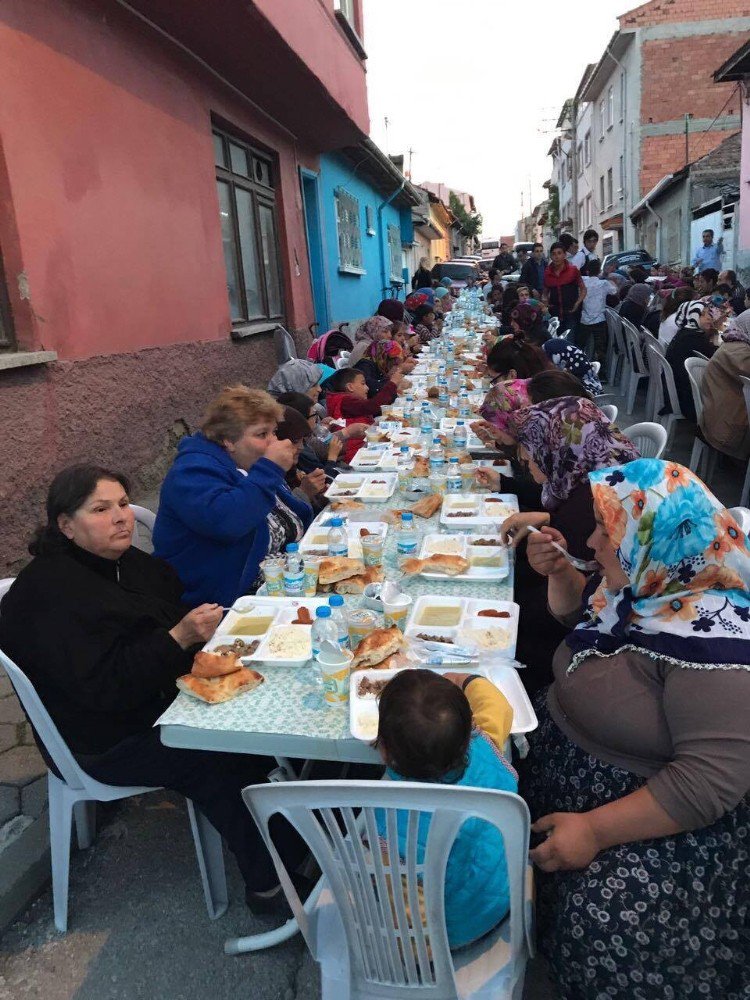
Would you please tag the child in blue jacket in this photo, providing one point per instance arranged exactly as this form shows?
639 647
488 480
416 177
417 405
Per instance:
450 730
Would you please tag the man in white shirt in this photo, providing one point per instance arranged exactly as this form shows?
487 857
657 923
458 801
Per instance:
587 253
593 318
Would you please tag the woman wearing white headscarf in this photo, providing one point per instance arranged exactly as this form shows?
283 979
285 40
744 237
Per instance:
298 375
724 421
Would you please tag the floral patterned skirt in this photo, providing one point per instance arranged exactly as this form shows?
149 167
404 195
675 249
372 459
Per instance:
664 919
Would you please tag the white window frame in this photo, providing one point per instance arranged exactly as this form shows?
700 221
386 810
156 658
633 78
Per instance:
587 149
622 96
370 220
395 253
622 174
346 7
601 193
610 107
602 119
610 187
349 231
579 157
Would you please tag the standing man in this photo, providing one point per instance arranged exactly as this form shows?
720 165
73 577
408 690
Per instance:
570 245
593 323
564 290
505 262
587 252
532 272
709 255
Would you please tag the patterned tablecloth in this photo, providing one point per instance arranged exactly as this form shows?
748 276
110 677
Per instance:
289 703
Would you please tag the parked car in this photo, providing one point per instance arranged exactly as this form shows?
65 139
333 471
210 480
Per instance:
629 258
458 271
528 247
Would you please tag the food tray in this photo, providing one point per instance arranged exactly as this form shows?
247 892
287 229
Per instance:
262 654
360 486
316 537
448 426
466 617
379 457
460 545
363 711
277 610
481 509
498 464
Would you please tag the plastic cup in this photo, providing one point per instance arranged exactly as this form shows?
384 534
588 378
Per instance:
397 611
372 549
467 477
335 669
439 483
405 473
360 622
310 580
273 572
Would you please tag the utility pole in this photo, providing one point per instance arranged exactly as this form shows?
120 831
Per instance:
687 138
411 153
387 149
574 158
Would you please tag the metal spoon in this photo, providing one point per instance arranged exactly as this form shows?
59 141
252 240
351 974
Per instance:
580 564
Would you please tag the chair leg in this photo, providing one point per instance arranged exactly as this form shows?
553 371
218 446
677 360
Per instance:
632 390
209 851
85 817
60 829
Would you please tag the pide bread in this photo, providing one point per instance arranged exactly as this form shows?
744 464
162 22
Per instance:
356 584
347 505
208 665
427 506
339 568
218 689
451 565
421 467
377 646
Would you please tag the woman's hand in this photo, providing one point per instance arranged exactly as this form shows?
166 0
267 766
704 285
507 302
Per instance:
197 626
281 453
487 477
355 431
396 377
313 483
516 527
335 447
542 556
571 842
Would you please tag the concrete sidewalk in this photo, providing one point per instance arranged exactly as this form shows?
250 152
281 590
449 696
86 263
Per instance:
138 928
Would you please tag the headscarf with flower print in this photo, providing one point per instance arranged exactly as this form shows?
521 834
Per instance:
568 438
688 562
383 353
503 400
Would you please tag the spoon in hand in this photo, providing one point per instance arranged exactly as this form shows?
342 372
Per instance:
580 564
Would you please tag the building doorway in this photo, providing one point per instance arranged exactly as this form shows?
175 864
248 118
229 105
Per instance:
314 232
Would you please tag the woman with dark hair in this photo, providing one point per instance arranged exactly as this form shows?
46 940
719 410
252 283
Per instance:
424 323
422 277
392 309
100 630
308 487
672 303
634 304
513 357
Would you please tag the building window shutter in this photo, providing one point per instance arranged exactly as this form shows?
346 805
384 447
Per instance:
350 239
394 247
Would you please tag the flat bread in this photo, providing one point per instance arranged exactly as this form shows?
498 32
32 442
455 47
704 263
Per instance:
421 467
208 665
427 506
356 584
346 505
339 568
377 646
451 565
220 689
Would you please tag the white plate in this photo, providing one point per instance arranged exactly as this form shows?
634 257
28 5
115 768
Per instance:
385 460
363 488
483 513
438 542
363 711
352 529
262 654
467 618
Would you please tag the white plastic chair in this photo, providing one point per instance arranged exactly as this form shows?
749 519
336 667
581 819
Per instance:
74 795
745 497
665 391
617 357
342 361
596 367
145 519
554 326
696 369
368 938
637 369
284 345
610 411
650 439
742 517
5 584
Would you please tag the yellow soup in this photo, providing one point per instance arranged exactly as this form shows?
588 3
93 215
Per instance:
252 626
446 617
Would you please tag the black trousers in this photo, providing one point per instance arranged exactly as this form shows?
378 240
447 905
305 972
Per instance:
213 781
600 336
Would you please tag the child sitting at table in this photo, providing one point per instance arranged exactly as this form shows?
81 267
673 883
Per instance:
450 730
347 400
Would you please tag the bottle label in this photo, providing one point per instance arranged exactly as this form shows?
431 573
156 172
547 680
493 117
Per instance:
406 546
294 582
338 548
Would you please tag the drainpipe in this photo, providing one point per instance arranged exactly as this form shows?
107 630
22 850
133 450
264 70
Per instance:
381 206
660 248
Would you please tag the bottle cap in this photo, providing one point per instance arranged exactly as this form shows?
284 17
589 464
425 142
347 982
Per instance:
336 522
336 601
292 547
454 461
404 449
407 516
323 611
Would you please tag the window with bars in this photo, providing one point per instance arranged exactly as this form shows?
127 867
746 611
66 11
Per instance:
394 248
370 220
349 232
7 339
610 188
249 231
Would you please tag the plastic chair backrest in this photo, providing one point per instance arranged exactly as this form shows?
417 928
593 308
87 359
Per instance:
554 326
659 346
635 349
746 392
45 728
696 369
742 517
650 439
697 354
146 519
391 952
610 411
5 585
614 324
596 367
663 376
284 345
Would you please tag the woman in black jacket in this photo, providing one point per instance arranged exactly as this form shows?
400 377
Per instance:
422 277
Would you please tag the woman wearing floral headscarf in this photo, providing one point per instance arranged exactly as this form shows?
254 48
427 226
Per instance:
698 322
382 357
724 420
639 772
368 333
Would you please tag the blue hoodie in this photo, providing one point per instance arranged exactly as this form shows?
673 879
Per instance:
211 526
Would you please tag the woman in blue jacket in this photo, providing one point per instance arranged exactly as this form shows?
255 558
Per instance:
224 504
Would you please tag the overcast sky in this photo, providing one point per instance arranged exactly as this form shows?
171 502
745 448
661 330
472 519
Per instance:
475 88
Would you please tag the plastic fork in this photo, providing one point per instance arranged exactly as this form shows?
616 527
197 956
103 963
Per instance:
585 566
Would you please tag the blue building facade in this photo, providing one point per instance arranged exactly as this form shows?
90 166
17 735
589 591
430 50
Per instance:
358 210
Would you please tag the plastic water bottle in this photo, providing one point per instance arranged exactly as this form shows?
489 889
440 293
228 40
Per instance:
336 603
437 456
425 420
443 398
406 543
338 542
454 481
323 628
455 380
294 571
460 435
464 406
